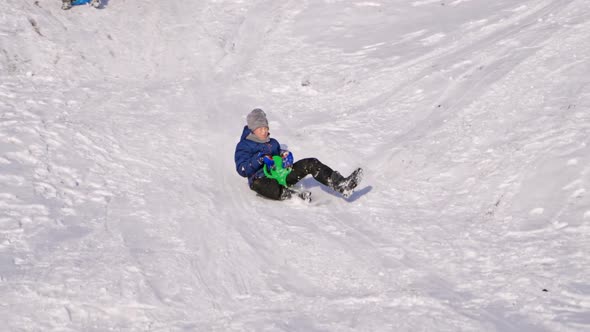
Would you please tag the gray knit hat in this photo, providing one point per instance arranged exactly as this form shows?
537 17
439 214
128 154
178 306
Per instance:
256 119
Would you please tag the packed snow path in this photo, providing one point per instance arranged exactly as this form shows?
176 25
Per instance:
120 208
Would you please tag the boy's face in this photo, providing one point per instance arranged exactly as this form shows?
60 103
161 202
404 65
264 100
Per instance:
261 132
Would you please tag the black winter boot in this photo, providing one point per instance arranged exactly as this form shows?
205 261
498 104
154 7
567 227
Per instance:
288 193
343 185
305 195
285 194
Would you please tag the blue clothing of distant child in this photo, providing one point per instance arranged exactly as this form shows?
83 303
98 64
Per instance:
256 149
67 4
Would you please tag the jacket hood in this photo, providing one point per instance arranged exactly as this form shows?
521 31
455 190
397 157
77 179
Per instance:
245 133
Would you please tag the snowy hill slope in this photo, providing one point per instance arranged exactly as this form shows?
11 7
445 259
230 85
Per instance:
120 207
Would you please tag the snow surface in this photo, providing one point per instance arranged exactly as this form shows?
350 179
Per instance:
120 208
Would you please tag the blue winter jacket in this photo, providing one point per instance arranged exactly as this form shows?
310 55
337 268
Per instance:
247 152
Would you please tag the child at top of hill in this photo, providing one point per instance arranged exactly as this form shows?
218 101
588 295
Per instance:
256 150
67 4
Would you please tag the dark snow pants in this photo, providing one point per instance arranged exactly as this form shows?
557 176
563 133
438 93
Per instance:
270 188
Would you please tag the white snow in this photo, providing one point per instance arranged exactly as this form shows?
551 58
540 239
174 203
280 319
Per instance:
120 208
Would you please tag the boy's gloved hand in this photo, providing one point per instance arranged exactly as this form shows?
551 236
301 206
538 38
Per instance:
265 159
287 158
268 161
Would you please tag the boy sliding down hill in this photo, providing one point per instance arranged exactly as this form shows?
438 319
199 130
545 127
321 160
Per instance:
254 160
67 4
